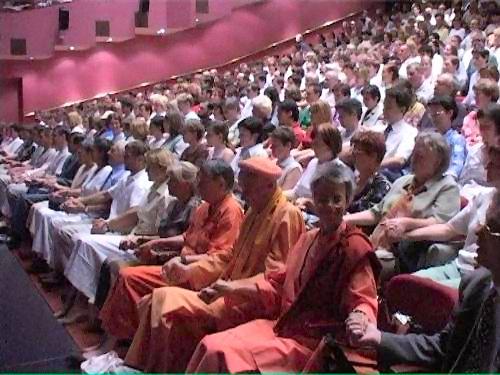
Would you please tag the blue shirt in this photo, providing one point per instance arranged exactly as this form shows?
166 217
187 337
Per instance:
116 174
458 148
107 134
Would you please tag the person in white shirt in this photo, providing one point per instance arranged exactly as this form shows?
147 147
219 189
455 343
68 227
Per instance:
400 136
479 60
157 137
407 53
92 249
231 110
251 135
424 90
282 141
253 91
374 107
185 103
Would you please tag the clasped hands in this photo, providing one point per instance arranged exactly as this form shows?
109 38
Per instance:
395 228
360 332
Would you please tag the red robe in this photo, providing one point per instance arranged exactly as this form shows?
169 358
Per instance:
325 279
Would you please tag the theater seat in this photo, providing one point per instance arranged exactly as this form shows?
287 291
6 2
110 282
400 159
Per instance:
428 303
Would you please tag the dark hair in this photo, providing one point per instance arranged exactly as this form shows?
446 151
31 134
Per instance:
194 126
371 142
137 148
77 138
219 128
173 123
330 136
316 88
62 130
447 102
273 94
351 106
254 126
401 95
371 90
393 69
103 146
293 92
285 135
219 168
87 146
483 52
491 112
157 122
126 102
344 89
289 105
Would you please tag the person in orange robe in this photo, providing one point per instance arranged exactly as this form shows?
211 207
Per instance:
173 320
207 247
329 277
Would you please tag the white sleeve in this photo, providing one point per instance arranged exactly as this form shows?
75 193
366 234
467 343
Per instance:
407 144
460 222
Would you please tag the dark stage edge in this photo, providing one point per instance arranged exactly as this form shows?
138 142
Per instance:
31 339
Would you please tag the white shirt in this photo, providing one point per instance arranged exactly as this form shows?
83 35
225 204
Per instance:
473 175
233 135
157 143
287 166
426 91
408 61
94 183
191 115
401 140
370 119
152 210
303 186
466 222
470 99
329 97
255 150
128 193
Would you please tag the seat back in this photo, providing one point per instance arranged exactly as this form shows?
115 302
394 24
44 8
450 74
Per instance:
427 302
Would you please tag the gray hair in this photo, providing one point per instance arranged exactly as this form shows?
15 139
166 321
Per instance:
184 171
435 142
219 168
336 172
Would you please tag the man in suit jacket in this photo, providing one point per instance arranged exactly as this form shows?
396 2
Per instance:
471 340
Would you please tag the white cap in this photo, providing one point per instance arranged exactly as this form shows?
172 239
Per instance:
106 115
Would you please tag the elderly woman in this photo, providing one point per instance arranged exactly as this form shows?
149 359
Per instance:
368 149
330 279
422 198
193 134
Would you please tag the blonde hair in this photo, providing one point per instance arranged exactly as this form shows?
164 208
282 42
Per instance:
74 119
139 129
160 157
320 113
184 171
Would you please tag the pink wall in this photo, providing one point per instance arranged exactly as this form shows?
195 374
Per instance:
77 75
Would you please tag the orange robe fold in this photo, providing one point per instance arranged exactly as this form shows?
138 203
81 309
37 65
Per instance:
173 320
212 231
325 279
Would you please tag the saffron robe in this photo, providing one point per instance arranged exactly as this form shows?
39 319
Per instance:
173 320
212 231
323 282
